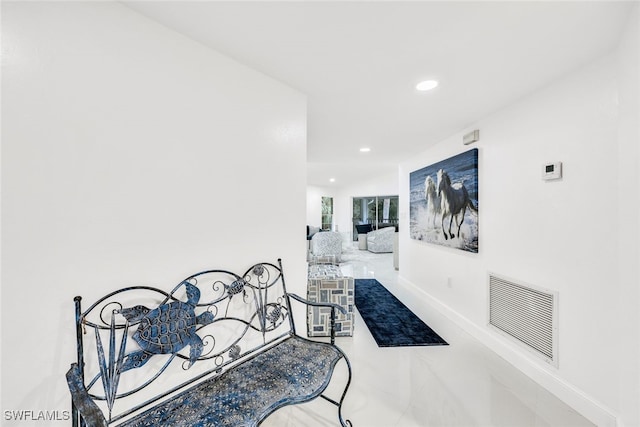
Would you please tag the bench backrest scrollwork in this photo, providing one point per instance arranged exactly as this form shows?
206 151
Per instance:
140 344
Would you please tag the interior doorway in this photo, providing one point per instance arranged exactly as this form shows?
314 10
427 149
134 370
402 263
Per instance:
378 211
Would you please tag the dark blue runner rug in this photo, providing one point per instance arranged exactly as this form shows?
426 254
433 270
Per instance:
390 322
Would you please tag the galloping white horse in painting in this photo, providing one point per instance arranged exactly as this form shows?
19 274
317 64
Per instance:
433 201
454 200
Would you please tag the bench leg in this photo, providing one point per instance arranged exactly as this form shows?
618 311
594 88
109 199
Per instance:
343 422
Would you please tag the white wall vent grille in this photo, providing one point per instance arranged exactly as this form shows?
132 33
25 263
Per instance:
526 314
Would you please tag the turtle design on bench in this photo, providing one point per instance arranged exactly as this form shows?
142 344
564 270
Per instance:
166 329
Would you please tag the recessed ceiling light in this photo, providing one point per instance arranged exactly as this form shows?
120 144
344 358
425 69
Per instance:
365 149
332 180
426 85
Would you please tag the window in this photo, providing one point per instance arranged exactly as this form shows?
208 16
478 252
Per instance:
327 213
377 211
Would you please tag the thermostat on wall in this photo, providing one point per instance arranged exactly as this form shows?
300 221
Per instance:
552 171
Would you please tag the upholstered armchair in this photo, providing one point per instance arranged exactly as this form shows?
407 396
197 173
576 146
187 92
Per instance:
326 244
381 240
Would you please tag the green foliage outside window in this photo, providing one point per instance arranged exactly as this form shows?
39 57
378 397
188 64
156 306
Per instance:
327 213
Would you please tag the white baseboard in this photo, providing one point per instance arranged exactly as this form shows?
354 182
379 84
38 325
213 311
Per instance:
584 404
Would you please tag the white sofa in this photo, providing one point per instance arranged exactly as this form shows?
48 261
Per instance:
381 240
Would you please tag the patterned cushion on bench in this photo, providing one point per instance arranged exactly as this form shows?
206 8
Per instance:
294 371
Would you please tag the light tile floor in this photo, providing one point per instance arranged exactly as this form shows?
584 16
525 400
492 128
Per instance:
462 384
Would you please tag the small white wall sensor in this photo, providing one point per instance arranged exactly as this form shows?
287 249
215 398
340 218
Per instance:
552 171
471 137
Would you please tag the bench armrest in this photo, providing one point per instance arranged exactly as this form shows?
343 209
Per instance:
318 304
333 307
89 411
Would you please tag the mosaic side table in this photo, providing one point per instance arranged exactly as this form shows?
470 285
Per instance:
325 283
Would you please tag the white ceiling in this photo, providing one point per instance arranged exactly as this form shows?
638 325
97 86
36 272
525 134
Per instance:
358 63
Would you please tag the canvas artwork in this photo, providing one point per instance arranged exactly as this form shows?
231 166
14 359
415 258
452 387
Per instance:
444 202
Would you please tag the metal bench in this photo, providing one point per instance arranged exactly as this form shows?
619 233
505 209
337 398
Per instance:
220 349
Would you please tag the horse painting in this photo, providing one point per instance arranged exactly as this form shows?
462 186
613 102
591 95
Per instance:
433 201
438 198
454 201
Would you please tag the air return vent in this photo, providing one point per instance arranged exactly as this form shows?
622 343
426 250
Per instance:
526 314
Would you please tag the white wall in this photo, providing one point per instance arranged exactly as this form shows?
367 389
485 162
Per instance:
629 219
568 235
131 155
